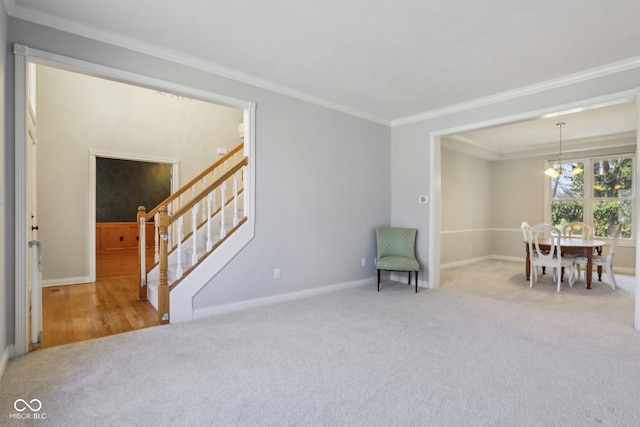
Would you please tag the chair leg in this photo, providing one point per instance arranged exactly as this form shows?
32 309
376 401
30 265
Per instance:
572 276
416 281
612 278
378 280
531 276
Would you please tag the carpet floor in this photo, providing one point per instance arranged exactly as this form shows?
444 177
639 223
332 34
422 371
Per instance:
483 350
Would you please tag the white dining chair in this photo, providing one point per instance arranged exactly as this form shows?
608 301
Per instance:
553 258
577 229
526 238
602 261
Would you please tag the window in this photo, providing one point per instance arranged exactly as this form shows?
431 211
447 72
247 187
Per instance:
601 195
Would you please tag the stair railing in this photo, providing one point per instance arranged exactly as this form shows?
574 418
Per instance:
183 207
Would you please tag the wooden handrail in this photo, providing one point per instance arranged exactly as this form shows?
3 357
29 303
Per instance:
184 209
189 184
165 220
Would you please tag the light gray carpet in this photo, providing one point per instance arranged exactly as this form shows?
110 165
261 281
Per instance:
482 350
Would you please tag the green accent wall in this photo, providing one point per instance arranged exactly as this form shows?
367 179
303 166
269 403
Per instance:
123 185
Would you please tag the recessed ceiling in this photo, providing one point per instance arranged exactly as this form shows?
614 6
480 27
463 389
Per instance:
598 126
381 59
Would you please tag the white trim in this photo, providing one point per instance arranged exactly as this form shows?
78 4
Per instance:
21 343
401 277
637 202
134 157
23 55
68 281
93 154
508 258
181 58
4 360
435 172
629 271
476 230
103 71
435 189
250 148
465 262
541 113
570 79
201 313
22 12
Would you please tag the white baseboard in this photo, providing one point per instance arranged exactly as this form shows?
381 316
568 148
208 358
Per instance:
66 281
621 270
402 277
4 360
201 313
508 258
629 271
465 262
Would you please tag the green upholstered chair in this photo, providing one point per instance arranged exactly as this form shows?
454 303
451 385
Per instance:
397 251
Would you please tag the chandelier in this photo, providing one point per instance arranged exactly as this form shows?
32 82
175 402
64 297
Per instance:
558 172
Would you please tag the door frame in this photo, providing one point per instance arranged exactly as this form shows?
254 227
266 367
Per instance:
93 154
435 187
24 55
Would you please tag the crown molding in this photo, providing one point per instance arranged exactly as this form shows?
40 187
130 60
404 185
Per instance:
20 12
621 142
48 20
570 79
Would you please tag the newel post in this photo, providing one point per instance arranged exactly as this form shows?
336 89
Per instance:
163 286
142 253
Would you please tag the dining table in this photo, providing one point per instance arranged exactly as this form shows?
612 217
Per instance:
572 246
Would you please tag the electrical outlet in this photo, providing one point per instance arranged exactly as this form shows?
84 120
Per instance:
364 262
276 273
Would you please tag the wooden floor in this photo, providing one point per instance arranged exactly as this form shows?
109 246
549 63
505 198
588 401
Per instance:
109 306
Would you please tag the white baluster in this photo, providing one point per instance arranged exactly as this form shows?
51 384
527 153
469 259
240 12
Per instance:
194 234
156 239
179 270
235 199
209 240
214 193
223 189
204 203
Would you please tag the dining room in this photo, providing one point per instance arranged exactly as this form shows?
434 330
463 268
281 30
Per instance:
494 179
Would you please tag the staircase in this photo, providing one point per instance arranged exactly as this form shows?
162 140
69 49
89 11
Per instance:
197 231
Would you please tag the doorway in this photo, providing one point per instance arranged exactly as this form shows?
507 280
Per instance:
220 121
435 185
121 186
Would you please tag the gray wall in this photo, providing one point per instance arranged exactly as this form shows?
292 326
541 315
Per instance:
466 202
484 202
410 142
77 113
323 178
6 304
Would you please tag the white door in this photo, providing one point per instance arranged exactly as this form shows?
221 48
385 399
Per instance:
34 273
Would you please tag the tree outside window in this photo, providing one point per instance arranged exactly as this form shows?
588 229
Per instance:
567 195
612 196
601 196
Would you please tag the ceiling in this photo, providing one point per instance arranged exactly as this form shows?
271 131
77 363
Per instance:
384 60
613 124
